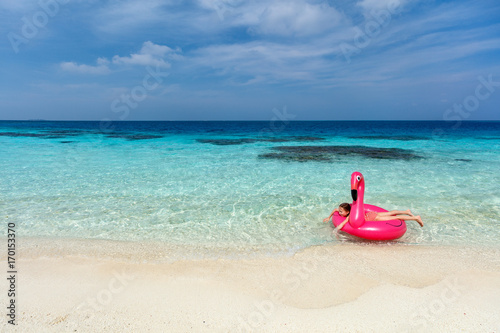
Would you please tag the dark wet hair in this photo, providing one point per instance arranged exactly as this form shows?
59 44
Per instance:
346 206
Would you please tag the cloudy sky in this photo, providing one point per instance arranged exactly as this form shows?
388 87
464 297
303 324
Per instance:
239 60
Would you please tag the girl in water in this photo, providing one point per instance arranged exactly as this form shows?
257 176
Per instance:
345 209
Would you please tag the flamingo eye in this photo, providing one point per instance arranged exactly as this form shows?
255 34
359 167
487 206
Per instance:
358 178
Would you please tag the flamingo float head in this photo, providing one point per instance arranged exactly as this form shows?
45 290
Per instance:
357 215
356 180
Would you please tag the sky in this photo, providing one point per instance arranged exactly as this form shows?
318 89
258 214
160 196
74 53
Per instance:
250 60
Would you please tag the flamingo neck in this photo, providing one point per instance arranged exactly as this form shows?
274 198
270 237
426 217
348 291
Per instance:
359 204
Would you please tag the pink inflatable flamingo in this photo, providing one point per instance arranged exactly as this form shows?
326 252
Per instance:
358 226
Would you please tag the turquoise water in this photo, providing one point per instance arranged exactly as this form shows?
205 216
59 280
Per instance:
226 184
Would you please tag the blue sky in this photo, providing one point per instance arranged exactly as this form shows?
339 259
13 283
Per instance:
239 60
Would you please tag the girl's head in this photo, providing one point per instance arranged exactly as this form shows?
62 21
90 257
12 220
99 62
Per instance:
344 209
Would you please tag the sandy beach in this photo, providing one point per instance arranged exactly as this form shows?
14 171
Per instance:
95 286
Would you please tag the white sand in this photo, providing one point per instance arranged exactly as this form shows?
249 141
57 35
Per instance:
93 286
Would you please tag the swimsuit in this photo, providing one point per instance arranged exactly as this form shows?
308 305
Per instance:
370 216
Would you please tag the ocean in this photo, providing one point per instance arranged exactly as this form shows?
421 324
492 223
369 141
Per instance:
247 185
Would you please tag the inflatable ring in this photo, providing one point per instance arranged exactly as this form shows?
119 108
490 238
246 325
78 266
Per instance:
358 225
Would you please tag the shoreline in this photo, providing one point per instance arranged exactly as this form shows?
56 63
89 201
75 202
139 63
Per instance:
335 287
158 251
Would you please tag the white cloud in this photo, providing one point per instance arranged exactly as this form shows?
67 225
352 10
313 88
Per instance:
264 61
119 16
275 18
291 42
296 18
155 49
101 68
411 48
150 55
370 5
221 7
102 61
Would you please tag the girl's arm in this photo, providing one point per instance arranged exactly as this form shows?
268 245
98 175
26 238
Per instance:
341 225
329 217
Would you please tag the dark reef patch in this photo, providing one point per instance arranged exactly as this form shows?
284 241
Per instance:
134 137
61 134
64 132
30 135
305 138
46 134
239 141
391 137
294 157
53 137
226 142
329 153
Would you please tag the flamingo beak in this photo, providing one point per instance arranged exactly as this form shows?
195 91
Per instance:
354 187
354 194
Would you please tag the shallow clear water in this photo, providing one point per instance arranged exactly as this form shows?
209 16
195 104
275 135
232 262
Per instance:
222 184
